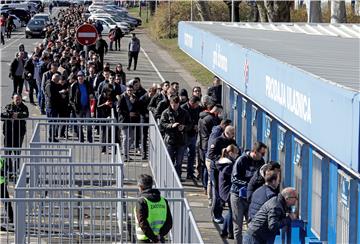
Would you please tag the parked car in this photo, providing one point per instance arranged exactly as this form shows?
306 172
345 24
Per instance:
123 25
107 25
44 17
39 5
35 27
22 14
17 21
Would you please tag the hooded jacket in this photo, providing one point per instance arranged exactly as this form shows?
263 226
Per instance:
142 214
260 196
206 122
225 166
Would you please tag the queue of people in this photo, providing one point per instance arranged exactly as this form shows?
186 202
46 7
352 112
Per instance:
69 85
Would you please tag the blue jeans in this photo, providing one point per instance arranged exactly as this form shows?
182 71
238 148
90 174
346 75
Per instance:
84 113
228 223
53 129
177 154
40 97
191 145
217 202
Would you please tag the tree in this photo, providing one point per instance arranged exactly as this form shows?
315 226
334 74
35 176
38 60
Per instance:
278 11
314 12
203 10
338 11
236 9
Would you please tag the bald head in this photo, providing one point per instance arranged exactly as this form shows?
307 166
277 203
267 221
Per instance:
55 78
229 131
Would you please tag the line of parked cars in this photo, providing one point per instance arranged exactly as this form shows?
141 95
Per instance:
111 15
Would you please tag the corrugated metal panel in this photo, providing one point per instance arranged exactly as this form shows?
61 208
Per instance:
329 51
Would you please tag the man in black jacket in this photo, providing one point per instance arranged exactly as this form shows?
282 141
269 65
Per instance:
80 95
101 48
16 73
264 192
155 100
175 123
53 102
192 107
29 70
272 216
164 104
14 126
215 91
128 110
244 168
153 218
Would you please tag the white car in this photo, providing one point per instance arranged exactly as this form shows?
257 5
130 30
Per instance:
125 28
17 21
107 25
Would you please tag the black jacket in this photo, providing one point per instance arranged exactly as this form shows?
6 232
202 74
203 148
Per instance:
260 196
164 104
215 93
144 112
14 128
173 136
214 150
124 110
206 122
225 165
13 66
269 219
142 213
75 95
158 97
53 98
29 68
244 168
101 46
194 116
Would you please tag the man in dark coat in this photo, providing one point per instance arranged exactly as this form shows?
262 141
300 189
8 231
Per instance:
175 123
159 96
265 192
118 35
146 223
14 126
128 110
29 71
244 168
215 91
16 73
101 48
272 216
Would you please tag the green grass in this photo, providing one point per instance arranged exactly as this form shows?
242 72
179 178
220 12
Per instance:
201 74
135 13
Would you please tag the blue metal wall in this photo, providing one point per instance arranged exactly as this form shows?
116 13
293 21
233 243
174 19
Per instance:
316 109
333 129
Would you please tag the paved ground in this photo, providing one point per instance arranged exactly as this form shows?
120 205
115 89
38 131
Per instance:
151 58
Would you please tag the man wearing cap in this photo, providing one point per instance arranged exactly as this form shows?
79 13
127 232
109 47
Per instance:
153 219
81 93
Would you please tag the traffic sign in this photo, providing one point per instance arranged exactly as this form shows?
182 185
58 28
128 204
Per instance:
86 34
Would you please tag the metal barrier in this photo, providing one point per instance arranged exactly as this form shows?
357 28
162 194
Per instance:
160 161
19 134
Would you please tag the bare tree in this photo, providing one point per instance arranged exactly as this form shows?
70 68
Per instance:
338 11
203 9
278 11
314 12
262 11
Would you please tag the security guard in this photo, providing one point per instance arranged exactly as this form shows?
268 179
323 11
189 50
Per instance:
153 218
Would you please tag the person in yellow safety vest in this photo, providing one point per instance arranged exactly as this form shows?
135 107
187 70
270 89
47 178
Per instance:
153 218
4 191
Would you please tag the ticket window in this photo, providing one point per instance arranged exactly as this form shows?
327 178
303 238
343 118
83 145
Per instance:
236 117
267 137
297 161
253 125
316 193
243 124
282 153
343 211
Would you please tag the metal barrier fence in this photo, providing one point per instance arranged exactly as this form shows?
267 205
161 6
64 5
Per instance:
18 132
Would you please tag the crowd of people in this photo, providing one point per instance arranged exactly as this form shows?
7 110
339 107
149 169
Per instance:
69 83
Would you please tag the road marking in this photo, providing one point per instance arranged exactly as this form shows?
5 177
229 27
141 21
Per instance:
153 65
8 45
